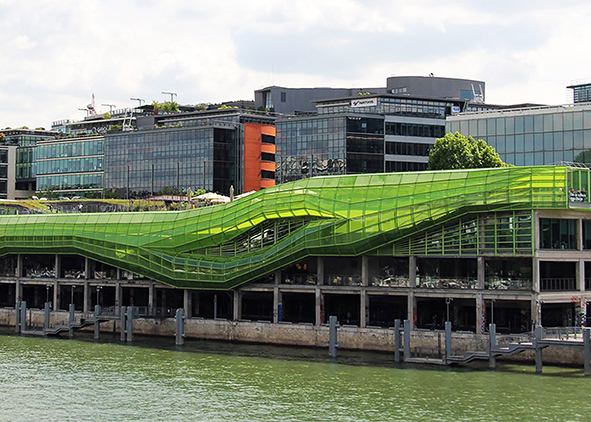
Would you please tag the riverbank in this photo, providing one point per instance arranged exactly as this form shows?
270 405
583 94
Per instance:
426 344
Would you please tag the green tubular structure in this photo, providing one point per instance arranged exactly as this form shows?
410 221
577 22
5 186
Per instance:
223 246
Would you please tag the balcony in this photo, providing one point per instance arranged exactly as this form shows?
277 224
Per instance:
500 283
437 282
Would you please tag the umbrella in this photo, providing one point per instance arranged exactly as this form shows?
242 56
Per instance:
212 197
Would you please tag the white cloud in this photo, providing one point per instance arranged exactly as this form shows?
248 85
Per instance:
55 54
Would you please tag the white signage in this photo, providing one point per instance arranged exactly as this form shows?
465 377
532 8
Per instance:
366 102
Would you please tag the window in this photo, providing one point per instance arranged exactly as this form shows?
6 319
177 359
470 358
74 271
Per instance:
558 233
268 139
265 174
265 156
283 97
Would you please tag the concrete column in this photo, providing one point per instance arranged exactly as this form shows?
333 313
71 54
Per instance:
277 301
118 295
581 275
86 303
412 272
579 234
364 271
412 309
535 274
117 274
56 295
480 273
58 266
87 269
18 293
19 267
479 313
536 310
237 305
278 277
151 296
363 309
318 309
320 270
187 303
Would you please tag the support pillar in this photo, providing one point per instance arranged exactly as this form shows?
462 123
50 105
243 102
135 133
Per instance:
412 271
19 267
58 266
318 311
17 317
56 295
277 305
536 274
411 308
97 323
536 311
364 270
18 293
86 302
479 314
580 274
237 309
278 277
480 274
47 315
187 303
320 270
71 320
363 309
151 295
117 295
86 269
23 317
123 321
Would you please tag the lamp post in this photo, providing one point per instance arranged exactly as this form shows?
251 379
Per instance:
72 293
98 290
47 293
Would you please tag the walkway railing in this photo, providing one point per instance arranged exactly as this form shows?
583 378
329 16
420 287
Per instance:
557 284
343 280
298 279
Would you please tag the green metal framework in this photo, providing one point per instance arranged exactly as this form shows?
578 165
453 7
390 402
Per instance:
224 246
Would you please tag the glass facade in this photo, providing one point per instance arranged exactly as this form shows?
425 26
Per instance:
532 136
194 157
387 134
70 164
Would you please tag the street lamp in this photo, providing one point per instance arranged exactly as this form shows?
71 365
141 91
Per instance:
111 107
140 100
448 300
172 95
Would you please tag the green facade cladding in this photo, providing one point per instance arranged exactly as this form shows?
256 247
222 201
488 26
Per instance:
223 246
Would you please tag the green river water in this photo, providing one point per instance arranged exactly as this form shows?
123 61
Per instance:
152 380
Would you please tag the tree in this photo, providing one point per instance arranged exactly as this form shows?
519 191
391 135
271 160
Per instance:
455 151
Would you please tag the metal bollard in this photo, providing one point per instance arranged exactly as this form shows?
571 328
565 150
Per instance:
332 336
47 316
97 323
129 323
180 327
407 339
397 340
17 320
23 316
123 323
492 338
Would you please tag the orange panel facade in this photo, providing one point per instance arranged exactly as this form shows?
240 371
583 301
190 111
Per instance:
259 156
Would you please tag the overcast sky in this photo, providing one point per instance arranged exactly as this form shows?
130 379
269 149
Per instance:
56 54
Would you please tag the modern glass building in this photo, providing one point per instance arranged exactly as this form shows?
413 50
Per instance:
507 245
361 134
17 159
212 150
532 135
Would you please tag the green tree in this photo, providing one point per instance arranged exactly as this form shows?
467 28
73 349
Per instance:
455 151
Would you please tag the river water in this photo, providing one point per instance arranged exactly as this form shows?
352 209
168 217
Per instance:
153 380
